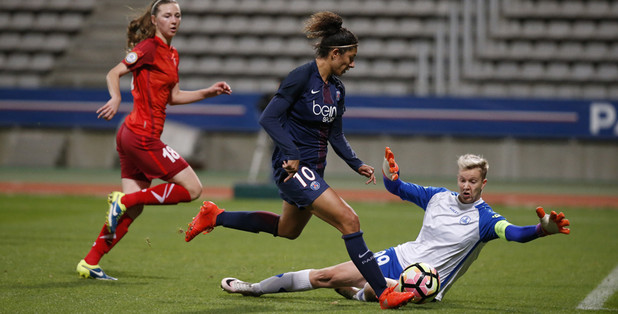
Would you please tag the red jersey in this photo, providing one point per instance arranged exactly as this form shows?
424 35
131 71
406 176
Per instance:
154 65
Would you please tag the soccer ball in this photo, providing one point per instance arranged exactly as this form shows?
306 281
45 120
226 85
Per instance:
420 279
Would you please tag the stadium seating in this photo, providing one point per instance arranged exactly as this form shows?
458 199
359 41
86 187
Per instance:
34 34
521 48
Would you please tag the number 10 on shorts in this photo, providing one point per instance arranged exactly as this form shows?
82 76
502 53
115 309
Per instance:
307 173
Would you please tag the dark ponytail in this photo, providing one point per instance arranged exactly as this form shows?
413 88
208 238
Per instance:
328 26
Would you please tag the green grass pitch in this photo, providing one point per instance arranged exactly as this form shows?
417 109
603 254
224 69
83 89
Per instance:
44 237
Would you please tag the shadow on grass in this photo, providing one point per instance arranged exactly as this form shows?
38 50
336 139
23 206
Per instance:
72 280
281 303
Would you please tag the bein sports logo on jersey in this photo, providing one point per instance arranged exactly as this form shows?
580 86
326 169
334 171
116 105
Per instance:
328 113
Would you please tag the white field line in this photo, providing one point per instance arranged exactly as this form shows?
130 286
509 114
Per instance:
595 299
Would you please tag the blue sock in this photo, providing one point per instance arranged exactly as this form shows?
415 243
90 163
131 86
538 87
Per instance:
364 261
255 221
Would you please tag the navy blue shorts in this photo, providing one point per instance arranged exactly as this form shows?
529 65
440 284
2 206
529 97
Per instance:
302 189
389 264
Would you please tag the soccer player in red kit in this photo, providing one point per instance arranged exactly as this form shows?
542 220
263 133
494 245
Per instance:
143 156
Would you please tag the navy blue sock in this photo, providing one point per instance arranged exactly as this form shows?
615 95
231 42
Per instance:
255 221
364 261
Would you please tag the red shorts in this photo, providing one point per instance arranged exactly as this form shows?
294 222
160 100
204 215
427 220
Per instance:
146 158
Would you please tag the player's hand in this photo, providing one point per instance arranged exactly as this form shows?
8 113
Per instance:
109 110
219 88
390 169
368 171
291 167
552 223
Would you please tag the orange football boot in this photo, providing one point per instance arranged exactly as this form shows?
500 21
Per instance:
391 299
205 221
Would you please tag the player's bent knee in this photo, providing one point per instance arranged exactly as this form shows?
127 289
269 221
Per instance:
350 225
194 191
195 195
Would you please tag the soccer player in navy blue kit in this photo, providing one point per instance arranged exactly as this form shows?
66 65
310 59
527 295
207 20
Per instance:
302 118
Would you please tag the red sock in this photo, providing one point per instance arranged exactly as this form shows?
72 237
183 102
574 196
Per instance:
106 241
162 194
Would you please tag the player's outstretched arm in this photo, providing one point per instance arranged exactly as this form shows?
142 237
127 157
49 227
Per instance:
390 169
182 97
552 223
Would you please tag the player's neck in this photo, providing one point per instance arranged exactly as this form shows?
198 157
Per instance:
166 40
324 69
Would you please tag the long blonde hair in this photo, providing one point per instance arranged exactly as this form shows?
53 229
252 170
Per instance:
141 27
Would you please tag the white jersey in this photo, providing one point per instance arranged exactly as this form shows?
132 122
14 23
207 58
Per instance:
452 234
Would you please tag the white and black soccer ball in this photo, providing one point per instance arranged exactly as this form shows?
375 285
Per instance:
422 280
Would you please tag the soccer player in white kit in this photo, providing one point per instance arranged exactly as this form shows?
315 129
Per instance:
455 228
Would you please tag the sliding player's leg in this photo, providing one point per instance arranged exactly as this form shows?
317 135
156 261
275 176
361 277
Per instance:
366 293
341 275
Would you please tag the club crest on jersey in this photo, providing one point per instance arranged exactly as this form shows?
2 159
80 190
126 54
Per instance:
131 57
465 220
338 95
315 185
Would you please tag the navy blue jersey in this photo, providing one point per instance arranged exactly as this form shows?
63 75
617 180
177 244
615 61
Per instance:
304 116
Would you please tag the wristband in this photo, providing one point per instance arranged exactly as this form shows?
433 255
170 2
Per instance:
539 230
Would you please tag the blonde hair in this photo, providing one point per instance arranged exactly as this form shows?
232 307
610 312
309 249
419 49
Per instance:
141 27
471 161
